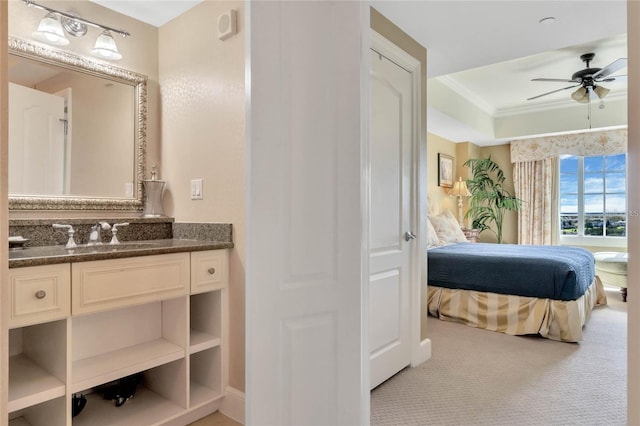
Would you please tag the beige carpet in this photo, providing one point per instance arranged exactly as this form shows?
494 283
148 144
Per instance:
479 377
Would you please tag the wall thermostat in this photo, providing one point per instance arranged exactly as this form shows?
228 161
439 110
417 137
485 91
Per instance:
227 25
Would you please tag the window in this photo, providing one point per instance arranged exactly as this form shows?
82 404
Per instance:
593 196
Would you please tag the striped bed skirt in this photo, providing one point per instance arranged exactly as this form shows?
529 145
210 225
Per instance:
517 315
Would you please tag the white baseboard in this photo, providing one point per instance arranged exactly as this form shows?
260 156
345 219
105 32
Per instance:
233 404
421 353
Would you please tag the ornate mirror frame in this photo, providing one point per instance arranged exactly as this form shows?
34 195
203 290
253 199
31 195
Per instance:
74 62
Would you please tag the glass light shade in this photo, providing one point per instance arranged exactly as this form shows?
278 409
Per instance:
601 91
50 31
581 95
105 47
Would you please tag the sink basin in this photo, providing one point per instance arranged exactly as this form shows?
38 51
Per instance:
134 245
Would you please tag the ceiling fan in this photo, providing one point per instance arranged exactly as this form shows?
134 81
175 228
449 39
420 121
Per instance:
588 79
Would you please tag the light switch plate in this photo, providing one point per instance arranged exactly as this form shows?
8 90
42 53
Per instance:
196 189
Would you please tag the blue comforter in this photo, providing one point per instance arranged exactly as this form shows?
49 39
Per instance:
549 272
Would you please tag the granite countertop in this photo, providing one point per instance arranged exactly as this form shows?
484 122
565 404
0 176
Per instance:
47 255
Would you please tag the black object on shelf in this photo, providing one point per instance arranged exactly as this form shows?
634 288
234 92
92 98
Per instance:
121 390
77 404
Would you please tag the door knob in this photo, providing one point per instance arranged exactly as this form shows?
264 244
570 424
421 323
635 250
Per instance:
408 236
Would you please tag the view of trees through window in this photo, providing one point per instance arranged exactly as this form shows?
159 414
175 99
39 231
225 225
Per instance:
593 195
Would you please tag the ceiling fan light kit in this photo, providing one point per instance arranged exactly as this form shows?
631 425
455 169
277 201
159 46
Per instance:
588 80
580 95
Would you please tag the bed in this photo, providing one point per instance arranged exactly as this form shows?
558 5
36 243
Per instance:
514 289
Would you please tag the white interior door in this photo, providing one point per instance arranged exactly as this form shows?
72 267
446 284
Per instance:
36 142
306 360
390 230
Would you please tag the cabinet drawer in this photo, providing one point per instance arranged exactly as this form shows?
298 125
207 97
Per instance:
209 270
116 283
39 294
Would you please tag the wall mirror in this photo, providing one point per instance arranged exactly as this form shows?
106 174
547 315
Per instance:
77 131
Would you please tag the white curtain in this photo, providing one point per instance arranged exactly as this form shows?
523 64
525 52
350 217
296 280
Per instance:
536 184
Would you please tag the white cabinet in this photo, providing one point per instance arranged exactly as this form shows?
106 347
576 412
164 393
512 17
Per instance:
39 294
210 270
114 283
164 316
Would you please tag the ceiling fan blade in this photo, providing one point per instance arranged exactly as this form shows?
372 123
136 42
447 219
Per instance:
553 91
614 78
614 66
559 80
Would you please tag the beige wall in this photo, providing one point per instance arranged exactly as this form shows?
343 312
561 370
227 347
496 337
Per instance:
501 154
461 152
439 198
140 54
203 102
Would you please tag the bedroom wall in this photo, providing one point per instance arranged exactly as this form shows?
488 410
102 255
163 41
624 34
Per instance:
464 151
461 152
501 154
438 196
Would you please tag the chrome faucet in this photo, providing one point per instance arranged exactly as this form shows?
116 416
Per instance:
70 232
114 232
95 236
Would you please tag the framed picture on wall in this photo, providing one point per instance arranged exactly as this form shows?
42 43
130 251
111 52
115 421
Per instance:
445 171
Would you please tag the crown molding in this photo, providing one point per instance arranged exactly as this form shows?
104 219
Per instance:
553 105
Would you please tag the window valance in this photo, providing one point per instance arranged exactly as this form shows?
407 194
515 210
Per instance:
604 142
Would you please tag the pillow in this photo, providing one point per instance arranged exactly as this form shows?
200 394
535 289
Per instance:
432 236
447 228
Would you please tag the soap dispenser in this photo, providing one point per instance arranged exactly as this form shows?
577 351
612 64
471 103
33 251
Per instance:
153 195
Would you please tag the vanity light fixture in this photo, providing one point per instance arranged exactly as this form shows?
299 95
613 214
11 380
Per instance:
50 31
53 26
105 47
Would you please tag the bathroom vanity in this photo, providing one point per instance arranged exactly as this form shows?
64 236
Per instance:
86 317
80 318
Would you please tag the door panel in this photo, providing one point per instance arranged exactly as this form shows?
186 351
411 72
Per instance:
390 253
384 317
36 132
304 258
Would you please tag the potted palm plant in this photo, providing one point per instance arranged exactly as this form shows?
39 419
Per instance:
489 198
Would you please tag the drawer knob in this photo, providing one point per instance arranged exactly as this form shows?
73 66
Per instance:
211 271
41 294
